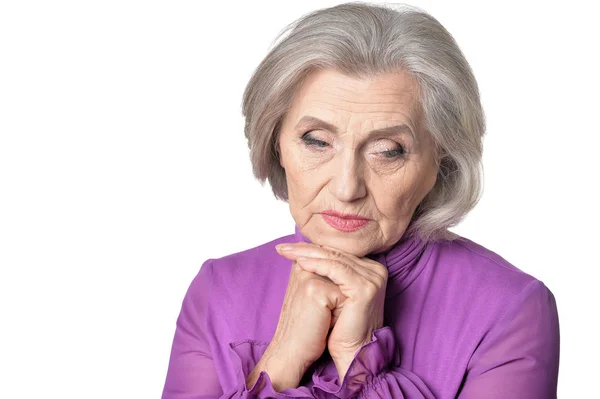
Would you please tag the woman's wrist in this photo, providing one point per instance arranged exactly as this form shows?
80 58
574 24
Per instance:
342 364
282 372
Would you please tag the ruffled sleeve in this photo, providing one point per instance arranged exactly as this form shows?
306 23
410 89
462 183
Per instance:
245 356
375 373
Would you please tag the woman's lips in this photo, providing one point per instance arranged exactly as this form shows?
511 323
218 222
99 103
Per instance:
344 224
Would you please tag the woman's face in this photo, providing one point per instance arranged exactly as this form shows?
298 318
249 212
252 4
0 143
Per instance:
348 164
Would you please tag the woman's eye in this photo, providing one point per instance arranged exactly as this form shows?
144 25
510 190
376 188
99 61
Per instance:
395 153
308 140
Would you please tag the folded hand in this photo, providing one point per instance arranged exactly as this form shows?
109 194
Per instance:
362 281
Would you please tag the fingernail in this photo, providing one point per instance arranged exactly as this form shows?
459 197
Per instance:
284 247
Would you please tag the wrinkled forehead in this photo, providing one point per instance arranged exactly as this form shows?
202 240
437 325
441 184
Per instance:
339 99
384 92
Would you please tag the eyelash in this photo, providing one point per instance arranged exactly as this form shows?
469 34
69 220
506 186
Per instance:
309 141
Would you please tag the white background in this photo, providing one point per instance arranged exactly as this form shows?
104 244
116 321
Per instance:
123 167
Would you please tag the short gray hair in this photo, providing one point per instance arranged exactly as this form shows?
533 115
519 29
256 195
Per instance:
364 40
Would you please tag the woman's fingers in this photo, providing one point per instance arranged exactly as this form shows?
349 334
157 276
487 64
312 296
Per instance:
365 267
339 272
292 251
326 262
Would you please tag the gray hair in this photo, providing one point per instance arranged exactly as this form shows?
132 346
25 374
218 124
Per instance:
364 40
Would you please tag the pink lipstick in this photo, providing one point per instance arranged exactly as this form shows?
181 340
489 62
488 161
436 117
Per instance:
344 222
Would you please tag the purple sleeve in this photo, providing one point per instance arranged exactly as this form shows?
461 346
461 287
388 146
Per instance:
375 373
191 373
520 355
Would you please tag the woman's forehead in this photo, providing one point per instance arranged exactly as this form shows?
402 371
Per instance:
390 96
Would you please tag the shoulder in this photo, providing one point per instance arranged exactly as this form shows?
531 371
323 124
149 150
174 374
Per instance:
483 281
472 263
260 260
245 281
512 314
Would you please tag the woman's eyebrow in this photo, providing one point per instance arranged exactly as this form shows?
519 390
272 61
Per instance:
316 123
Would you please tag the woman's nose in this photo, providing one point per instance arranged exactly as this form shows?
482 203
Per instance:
348 181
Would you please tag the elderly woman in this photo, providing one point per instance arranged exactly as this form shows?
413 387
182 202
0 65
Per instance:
367 121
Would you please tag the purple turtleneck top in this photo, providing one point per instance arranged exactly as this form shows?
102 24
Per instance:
460 322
